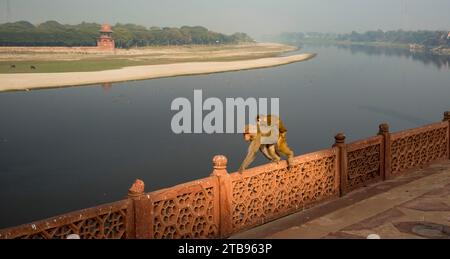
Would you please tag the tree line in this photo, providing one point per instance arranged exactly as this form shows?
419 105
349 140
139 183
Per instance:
52 33
426 38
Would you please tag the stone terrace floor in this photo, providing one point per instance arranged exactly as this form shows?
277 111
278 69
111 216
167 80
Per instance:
416 205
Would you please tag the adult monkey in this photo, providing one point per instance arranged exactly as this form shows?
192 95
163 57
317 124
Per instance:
270 147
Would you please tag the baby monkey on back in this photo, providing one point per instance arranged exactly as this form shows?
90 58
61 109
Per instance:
263 137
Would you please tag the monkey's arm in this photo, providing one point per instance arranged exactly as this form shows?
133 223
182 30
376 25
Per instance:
251 154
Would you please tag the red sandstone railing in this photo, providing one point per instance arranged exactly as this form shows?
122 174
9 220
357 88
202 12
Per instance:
189 210
364 163
416 147
223 203
108 221
271 191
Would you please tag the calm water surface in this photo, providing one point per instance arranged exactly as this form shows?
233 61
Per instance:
71 148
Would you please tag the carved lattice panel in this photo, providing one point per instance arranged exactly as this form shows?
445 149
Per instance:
364 164
275 193
109 224
187 215
412 150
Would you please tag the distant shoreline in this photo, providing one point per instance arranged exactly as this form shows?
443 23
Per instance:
29 81
382 44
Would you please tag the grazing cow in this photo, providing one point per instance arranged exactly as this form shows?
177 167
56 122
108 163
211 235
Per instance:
13 66
32 67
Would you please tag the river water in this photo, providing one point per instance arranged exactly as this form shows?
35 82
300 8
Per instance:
70 148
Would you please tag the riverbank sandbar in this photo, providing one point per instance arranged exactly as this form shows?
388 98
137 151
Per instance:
27 81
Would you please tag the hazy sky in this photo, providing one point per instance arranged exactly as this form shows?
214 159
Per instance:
256 17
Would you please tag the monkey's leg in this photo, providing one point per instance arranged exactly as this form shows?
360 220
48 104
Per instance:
251 154
273 153
265 152
285 149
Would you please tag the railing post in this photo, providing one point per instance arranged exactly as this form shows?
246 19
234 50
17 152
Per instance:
447 118
140 221
384 131
225 194
342 163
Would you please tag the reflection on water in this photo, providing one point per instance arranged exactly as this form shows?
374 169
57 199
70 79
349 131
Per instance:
106 86
69 148
426 57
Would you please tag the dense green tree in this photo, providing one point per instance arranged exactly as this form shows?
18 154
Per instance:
427 38
52 33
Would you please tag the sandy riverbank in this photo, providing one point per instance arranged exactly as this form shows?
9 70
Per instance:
27 81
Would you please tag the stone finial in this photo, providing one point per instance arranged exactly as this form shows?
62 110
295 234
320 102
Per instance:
220 165
220 162
447 116
339 138
383 128
136 189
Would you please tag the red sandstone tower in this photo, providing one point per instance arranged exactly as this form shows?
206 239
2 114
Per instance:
105 41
